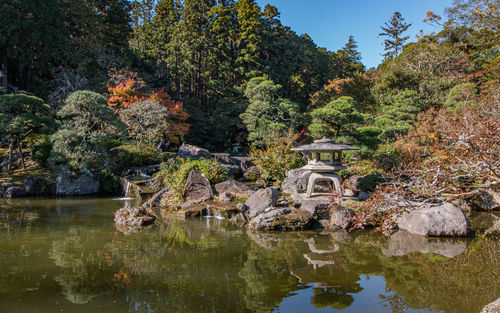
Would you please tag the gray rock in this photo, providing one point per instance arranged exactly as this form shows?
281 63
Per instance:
485 200
282 219
241 207
363 196
232 170
14 192
238 218
443 220
341 218
233 187
197 189
261 200
403 243
158 199
78 183
352 183
252 173
349 193
225 196
225 158
34 185
244 162
193 152
296 181
319 207
493 307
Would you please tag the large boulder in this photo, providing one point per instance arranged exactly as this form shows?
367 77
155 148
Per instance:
244 162
296 181
261 200
79 183
38 186
197 189
493 307
232 170
443 220
234 188
403 243
225 158
341 218
193 152
284 219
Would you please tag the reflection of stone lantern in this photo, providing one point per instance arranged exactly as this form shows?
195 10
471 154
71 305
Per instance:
324 169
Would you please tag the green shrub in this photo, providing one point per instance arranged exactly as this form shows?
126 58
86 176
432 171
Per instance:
276 158
40 152
173 174
109 182
387 156
131 155
370 182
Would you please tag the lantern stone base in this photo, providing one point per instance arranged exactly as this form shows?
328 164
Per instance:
315 177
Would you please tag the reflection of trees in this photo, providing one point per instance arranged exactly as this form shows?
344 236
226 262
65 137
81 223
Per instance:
336 298
206 265
81 266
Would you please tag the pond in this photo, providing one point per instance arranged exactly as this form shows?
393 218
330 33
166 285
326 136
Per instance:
65 255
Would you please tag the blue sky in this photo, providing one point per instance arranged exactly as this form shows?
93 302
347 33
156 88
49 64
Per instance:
330 22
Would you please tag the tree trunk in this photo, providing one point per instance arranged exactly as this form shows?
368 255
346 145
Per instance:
10 155
21 152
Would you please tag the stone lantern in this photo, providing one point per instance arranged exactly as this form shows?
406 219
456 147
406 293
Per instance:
324 169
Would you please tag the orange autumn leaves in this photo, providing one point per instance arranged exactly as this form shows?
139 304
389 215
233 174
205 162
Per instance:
125 94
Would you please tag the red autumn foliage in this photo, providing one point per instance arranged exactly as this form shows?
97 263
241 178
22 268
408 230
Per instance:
125 94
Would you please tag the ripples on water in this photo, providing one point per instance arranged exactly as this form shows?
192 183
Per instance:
66 255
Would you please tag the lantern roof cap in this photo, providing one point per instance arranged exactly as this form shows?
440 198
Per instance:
324 145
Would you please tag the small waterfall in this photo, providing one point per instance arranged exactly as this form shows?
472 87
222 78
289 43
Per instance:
206 211
127 188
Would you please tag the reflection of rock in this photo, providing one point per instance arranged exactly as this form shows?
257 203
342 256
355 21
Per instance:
126 219
488 223
78 298
341 236
402 243
261 200
443 220
262 239
197 189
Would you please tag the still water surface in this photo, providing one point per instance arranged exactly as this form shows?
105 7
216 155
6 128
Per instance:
66 255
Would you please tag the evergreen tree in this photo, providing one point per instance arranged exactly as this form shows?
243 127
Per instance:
21 115
338 119
393 30
267 113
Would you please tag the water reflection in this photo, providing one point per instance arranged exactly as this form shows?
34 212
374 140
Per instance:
403 243
66 254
